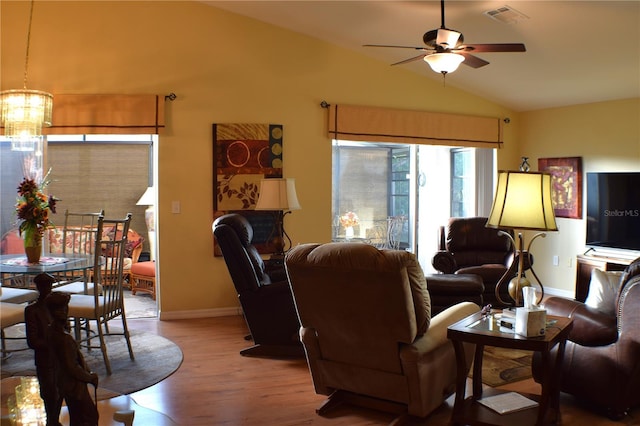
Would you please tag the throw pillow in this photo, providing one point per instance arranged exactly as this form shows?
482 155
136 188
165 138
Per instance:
603 290
133 240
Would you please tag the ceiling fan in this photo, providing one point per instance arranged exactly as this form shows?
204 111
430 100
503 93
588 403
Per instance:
445 49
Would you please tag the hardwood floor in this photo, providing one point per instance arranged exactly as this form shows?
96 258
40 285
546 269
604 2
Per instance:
217 386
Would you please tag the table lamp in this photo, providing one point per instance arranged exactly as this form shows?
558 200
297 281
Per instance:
522 201
149 199
279 195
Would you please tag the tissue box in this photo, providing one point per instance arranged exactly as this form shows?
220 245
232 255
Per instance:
531 322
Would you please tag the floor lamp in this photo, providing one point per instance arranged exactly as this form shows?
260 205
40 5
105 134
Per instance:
522 201
149 199
279 195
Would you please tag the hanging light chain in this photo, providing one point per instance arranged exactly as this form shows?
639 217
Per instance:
26 56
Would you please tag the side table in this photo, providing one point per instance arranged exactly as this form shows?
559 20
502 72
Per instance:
483 330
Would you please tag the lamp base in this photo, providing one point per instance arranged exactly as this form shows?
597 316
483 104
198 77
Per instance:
515 289
522 262
150 220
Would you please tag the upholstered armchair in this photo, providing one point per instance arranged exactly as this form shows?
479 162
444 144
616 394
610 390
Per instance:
267 304
602 356
467 246
367 328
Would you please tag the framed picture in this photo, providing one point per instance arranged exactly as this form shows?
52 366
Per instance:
566 185
243 154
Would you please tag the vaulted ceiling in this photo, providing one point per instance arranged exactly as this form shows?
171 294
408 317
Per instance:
577 51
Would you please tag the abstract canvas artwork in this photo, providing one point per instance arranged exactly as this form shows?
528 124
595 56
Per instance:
243 155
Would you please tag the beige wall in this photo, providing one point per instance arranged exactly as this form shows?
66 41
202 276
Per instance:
226 68
607 137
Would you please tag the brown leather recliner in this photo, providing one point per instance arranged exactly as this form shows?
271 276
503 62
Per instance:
467 246
267 304
602 356
367 328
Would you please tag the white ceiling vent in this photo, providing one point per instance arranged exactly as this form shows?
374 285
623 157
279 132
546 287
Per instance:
506 15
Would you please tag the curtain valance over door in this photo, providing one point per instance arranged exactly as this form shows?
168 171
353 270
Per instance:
373 124
107 114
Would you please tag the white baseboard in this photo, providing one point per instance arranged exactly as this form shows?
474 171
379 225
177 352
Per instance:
225 312
198 313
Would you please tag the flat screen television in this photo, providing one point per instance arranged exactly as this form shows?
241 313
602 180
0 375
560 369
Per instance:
613 210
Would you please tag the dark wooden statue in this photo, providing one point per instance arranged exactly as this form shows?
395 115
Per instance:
37 320
72 373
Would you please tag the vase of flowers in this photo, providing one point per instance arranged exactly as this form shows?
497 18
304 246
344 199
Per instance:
348 221
33 207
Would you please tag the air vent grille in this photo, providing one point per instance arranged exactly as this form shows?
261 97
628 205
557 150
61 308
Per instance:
506 15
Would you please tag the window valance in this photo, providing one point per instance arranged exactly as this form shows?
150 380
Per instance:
107 114
373 124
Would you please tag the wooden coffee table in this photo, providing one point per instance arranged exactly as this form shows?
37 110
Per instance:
483 330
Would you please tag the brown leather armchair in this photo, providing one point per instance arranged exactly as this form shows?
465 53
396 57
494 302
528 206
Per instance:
467 246
602 356
367 328
267 303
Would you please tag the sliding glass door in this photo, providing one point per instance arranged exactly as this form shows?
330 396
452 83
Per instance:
398 195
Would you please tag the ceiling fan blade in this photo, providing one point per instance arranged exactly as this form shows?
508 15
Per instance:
399 47
497 47
473 61
415 58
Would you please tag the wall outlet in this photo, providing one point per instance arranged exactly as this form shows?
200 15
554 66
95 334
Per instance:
175 207
556 260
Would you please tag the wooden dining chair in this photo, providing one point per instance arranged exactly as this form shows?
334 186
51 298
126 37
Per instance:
79 235
80 232
106 301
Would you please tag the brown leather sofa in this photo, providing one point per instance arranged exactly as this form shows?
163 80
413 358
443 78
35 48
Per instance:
367 328
265 298
602 356
467 246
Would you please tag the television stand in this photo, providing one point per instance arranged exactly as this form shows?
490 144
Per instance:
587 262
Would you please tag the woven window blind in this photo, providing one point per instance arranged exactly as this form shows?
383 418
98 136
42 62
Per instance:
88 177
373 124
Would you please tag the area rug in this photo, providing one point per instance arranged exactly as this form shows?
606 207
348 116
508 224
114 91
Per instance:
502 366
156 358
141 305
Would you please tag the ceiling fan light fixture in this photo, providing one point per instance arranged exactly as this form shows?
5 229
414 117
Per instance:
442 44
447 37
444 62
